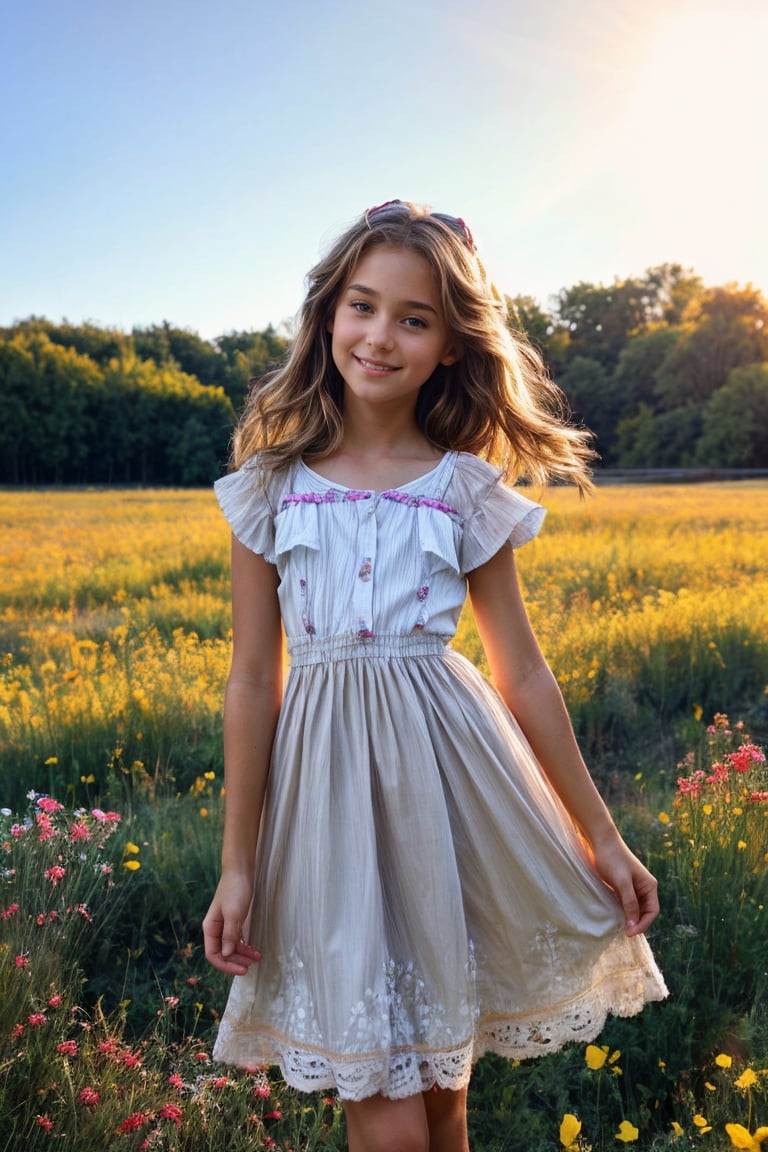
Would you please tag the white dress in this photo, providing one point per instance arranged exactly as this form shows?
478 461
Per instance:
421 895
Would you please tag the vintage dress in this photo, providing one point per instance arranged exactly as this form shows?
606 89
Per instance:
421 894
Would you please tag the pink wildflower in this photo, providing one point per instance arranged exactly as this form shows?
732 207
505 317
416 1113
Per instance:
719 774
220 1082
49 805
261 1090
176 1081
89 1097
18 830
67 1048
44 1122
22 961
11 910
202 1056
55 1001
276 1114
79 831
55 873
758 797
130 1059
45 828
17 1032
36 1019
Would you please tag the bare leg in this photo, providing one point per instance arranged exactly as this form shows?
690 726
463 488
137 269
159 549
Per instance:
378 1124
447 1119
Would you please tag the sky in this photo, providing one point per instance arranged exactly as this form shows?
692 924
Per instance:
189 161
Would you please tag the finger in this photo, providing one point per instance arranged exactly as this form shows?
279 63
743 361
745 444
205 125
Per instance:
648 907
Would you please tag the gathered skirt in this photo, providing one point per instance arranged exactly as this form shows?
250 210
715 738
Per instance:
421 895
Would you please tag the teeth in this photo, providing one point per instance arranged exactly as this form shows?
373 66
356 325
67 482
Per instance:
373 364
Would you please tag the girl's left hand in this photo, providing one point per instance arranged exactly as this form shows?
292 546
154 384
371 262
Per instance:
635 887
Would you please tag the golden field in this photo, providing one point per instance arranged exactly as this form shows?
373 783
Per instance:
650 602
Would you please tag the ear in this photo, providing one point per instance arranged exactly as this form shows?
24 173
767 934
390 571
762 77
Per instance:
453 353
329 323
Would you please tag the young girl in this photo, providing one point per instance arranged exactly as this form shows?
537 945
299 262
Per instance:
417 867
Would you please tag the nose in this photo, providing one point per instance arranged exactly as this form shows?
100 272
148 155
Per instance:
380 333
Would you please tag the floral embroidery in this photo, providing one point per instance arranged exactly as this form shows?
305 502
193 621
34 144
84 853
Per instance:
423 592
421 595
365 570
418 501
332 496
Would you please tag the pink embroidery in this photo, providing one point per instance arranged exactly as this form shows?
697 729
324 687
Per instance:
418 502
332 496
423 592
309 627
365 570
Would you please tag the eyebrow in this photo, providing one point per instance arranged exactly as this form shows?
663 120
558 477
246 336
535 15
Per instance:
416 304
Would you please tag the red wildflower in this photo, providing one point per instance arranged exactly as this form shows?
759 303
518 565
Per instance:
55 1001
18 1032
202 1056
133 1122
36 1019
67 1048
22 961
220 1082
743 758
44 1122
45 828
89 1097
274 1115
79 831
11 910
176 1081
55 873
261 1090
172 1112
758 797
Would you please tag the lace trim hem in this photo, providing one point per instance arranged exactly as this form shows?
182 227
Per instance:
406 1072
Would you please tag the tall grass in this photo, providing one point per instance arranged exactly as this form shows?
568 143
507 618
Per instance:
114 641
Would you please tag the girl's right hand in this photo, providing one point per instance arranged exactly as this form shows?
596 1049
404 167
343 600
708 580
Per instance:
225 928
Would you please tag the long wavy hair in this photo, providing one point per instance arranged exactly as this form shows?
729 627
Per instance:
495 401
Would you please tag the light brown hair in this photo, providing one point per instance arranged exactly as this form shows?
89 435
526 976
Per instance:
495 401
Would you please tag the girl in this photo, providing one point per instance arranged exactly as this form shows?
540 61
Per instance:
436 875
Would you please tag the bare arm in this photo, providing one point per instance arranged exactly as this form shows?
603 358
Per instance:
251 707
525 681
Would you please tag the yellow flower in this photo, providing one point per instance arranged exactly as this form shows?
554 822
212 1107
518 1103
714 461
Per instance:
701 1124
51 760
595 1057
570 1128
677 1128
747 1079
209 775
740 1137
627 1132
723 1060
707 809
697 714
710 1087
203 812
130 847
741 845
664 818
131 865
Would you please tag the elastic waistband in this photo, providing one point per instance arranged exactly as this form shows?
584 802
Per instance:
321 649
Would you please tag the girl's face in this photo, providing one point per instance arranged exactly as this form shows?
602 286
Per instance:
388 329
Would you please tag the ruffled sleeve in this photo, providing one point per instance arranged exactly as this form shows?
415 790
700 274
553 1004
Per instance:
249 499
493 513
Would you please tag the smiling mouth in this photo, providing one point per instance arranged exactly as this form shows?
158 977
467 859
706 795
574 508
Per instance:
375 365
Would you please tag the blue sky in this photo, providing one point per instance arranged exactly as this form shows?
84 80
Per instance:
189 161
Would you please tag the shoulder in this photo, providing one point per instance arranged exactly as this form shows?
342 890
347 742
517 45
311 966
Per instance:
250 498
493 513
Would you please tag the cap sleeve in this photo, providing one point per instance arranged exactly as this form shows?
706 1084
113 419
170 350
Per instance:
248 499
497 514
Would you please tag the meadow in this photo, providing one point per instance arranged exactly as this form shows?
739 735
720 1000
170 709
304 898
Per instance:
651 604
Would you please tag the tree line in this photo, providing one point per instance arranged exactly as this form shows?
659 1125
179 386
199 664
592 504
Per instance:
665 371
